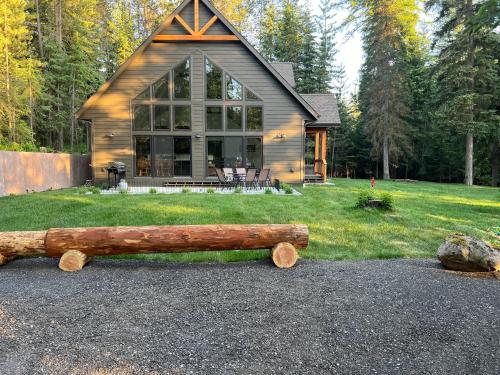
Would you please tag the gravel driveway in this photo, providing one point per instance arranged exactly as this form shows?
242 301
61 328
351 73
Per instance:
322 317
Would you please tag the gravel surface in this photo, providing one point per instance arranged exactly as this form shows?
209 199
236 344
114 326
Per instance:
321 317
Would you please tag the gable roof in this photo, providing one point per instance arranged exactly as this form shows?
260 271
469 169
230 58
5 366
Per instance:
326 106
285 69
92 99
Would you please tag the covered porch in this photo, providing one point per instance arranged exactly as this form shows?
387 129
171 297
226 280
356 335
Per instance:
316 136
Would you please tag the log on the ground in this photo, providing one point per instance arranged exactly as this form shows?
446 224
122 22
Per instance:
73 260
27 243
4 260
151 239
168 239
374 203
463 253
284 255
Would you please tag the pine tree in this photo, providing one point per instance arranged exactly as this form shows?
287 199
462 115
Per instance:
389 28
327 51
465 70
18 73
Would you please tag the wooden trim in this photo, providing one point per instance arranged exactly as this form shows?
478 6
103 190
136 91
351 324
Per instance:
197 38
207 26
196 16
184 24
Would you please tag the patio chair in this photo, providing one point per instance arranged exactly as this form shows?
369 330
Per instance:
250 178
228 174
223 183
264 179
242 174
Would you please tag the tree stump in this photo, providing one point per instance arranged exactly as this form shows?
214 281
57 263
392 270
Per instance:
284 255
73 260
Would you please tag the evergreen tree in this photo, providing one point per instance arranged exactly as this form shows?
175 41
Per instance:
18 73
389 29
326 50
466 71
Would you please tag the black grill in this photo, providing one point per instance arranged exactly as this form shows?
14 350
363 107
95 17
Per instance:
118 170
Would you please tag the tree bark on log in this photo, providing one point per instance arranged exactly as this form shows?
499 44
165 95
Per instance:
73 260
151 239
4 260
22 243
284 255
171 239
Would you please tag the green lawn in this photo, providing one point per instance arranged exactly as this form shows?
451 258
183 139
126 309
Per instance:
424 214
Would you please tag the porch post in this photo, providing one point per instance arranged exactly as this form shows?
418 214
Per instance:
323 154
316 152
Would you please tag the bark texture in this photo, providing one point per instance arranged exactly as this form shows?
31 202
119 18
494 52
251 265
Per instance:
22 243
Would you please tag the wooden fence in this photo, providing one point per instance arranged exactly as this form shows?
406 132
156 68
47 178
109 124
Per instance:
26 172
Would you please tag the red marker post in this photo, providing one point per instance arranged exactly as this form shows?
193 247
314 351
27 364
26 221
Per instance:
373 182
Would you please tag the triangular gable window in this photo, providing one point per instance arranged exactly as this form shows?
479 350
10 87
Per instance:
145 95
160 87
249 95
234 89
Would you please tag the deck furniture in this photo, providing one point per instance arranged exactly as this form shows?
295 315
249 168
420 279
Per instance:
264 178
250 178
228 174
223 181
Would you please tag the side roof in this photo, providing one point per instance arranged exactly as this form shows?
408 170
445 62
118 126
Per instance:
285 69
92 99
326 106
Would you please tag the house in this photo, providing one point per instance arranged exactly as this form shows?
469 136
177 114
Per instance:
195 96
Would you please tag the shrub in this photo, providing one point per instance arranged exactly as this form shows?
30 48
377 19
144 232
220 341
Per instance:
387 201
123 191
238 190
152 190
186 190
287 188
363 197
268 190
94 190
210 190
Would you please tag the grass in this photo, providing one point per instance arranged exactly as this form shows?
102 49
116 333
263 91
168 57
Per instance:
424 214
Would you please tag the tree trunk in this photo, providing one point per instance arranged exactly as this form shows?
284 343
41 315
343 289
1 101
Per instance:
72 130
10 123
39 29
495 161
58 20
469 155
386 158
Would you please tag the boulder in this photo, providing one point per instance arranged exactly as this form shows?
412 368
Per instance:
463 253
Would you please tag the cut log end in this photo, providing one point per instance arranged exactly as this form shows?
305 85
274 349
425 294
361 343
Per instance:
4 260
284 255
73 260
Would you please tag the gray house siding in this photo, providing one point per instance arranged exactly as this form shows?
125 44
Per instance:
283 115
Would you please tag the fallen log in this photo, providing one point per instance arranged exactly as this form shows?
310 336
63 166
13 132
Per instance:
151 239
73 260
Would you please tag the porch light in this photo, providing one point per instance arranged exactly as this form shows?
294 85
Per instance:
110 135
198 136
281 136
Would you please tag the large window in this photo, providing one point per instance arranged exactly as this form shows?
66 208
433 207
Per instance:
233 152
143 156
234 89
162 156
182 117
142 120
234 119
182 81
161 88
213 81
214 118
254 118
162 117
